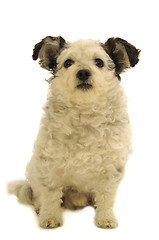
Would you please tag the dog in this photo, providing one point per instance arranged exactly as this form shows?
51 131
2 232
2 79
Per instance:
84 139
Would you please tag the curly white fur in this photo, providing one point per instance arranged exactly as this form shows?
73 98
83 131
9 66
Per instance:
84 138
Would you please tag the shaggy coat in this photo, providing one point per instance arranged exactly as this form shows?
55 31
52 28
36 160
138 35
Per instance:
84 138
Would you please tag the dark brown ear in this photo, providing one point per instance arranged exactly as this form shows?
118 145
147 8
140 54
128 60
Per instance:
47 51
124 54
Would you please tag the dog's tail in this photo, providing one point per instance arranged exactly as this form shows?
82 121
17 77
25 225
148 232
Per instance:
22 190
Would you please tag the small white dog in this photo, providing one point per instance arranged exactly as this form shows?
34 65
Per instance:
84 139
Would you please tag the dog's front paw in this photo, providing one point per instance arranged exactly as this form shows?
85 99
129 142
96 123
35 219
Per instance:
108 221
51 222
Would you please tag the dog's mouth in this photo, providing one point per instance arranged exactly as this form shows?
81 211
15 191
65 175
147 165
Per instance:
84 86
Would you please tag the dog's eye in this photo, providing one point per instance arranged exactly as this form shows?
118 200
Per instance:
99 63
68 63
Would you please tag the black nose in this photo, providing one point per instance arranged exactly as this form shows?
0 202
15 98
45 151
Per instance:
83 75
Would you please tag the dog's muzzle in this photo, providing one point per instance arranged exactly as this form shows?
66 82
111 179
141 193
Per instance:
83 75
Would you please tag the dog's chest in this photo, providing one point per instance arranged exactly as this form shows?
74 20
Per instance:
80 146
78 138
77 146
82 130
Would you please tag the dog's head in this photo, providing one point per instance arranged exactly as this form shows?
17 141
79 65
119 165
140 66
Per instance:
85 66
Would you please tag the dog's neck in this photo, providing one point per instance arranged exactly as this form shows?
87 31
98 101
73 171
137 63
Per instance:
112 105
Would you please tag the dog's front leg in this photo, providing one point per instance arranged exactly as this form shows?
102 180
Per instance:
104 203
50 211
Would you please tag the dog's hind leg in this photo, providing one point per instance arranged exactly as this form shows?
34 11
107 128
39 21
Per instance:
73 199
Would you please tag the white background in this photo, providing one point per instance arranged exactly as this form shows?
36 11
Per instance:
23 92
